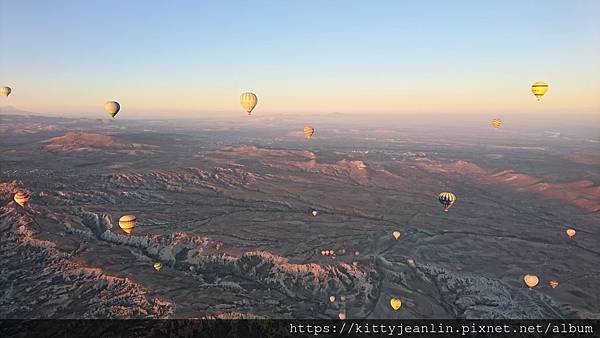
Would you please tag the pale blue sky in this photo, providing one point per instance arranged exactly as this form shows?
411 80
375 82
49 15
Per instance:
193 57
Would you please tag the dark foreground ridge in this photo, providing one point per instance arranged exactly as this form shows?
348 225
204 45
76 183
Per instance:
298 328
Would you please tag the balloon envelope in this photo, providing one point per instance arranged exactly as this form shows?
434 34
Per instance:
447 199
157 266
571 233
553 283
396 234
395 303
112 108
332 299
5 91
531 280
21 198
496 123
127 223
309 132
248 101
539 89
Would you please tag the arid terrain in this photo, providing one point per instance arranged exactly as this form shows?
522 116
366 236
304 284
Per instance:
226 207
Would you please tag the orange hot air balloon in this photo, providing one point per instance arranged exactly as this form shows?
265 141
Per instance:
571 232
21 197
396 234
127 223
496 123
309 132
553 283
531 280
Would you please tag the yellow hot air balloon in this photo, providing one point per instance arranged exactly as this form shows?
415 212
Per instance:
539 89
157 266
447 199
396 234
21 197
5 91
553 283
127 223
571 232
496 123
531 280
395 303
112 108
248 101
308 132
332 299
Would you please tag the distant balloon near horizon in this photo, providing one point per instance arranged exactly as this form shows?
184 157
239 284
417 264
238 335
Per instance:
309 132
5 91
539 89
248 101
571 232
112 108
496 123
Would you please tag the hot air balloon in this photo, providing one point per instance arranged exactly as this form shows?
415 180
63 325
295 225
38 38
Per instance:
157 266
112 108
5 91
531 280
396 234
127 223
332 298
356 253
539 89
447 199
248 101
314 213
571 232
343 298
342 316
496 123
21 197
395 303
308 132
553 283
